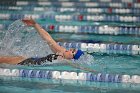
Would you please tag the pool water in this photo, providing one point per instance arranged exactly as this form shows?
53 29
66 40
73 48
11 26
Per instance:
33 85
27 41
102 63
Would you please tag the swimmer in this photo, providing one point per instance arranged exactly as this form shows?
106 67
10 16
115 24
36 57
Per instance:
59 51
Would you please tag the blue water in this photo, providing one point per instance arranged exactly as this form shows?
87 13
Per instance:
32 85
101 63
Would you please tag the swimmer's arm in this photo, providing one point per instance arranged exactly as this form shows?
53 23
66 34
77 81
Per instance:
46 36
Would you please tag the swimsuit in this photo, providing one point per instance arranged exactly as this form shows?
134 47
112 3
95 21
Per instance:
39 61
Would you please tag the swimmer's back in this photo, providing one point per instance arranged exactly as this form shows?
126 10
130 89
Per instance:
39 61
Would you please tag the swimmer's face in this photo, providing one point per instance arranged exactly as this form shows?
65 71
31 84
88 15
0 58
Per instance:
69 54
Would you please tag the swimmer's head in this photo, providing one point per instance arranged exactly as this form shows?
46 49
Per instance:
78 54
73 54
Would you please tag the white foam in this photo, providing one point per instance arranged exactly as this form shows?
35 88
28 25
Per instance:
23 41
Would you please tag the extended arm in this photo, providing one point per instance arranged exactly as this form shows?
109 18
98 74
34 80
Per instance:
45 35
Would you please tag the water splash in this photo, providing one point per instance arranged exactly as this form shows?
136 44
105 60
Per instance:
85 62
22 40
85 59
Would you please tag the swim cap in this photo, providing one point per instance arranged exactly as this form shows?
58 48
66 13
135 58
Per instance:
78 54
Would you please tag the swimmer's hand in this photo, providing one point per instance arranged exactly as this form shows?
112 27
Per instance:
29 21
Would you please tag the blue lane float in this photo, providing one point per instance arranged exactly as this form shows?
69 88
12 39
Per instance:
95 29
115 1
103 3
98 18
80 10
99 77
104 48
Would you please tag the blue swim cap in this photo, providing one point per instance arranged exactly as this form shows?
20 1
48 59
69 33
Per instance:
78 54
